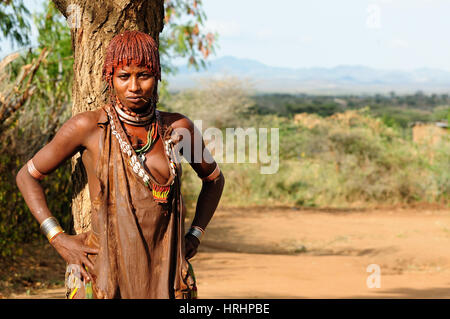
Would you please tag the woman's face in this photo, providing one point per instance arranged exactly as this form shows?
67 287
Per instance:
132 83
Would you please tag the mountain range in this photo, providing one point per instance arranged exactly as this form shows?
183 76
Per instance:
343 79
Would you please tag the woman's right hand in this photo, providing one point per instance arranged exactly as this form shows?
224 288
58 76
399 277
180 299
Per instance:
73 250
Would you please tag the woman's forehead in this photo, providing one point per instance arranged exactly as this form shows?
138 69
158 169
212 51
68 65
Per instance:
131 68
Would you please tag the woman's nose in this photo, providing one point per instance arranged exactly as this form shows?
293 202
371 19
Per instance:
134 84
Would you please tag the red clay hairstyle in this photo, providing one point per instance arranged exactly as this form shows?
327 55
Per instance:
131 47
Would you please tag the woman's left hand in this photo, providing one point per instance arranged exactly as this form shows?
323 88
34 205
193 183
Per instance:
191 245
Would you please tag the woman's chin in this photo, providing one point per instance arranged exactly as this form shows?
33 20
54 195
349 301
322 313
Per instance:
139 107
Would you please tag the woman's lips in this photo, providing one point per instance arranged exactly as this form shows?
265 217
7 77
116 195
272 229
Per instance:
134 99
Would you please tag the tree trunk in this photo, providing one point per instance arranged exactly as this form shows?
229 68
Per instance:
93 24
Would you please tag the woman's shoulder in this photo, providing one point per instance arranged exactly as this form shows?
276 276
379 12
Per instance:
90 118
86 122
176 120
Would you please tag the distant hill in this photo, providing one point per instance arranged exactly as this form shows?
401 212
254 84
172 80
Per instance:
340 79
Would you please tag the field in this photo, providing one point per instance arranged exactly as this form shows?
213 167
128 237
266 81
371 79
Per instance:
304 253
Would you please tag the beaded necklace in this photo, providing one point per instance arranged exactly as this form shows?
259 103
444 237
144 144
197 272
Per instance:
151 138
160 192
133 118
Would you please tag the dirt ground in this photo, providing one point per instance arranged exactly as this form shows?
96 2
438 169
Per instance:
292 253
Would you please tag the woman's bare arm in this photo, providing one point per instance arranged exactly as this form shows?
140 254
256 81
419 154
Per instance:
213 182
207 167
69 139
66 143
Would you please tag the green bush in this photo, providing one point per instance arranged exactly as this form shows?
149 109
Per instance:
348 159
17 225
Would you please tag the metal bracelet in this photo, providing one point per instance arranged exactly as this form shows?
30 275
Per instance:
197 232
50 228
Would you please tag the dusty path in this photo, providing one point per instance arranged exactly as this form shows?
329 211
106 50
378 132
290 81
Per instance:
285 253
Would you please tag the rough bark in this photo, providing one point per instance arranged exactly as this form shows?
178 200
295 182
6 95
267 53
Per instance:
93 24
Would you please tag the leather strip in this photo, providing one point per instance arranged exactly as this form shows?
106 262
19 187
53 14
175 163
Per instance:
213 175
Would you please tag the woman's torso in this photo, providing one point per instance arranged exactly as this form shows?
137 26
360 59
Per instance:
155 160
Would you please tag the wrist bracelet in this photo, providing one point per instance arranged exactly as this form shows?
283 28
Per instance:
197 232
51 228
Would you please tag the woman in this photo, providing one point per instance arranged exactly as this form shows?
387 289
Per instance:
135 247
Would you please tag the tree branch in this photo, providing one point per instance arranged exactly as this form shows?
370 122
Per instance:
7 108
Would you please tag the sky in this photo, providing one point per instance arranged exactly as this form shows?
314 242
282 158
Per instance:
383 34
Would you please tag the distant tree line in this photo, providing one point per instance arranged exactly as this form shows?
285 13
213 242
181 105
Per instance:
395 110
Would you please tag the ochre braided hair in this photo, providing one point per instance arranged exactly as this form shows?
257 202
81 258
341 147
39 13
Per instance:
131 47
